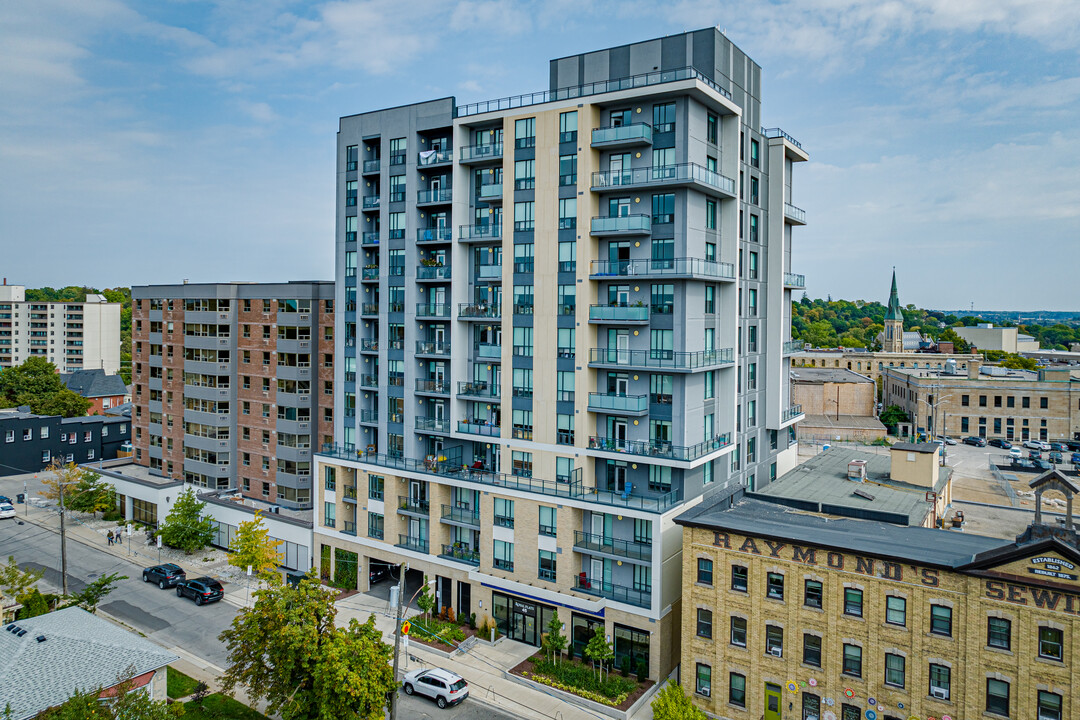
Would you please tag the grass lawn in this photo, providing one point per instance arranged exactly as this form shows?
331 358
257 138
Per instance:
180 685
220 706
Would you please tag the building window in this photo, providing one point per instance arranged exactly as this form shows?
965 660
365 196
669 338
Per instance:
940 620
811 649
664 117
1049 706
703 682
504 511
330 477
548 523
568 126
503 555
547 566
812 594
737 689
375 526
895 610
329 509
894 669
940 681
712 129
376 484
853 602
704 571
852 660
704 623
1044 403
740 578
525 133
755 160
774 640
965 400
997 697
774 586
1051 642
999 633
738 631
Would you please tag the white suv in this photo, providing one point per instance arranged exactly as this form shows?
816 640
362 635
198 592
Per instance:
1036 445
442 686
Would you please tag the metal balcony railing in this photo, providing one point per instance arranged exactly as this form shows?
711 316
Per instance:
490 151
659 448
465 516
791 413
677 174
461 554
610 402
478 389
777 132
427 347
795 213
587 542
438 387
433 272
639 597
443 234
669 267
435 157
417 544
491 231
417 506
371 417
371 166
469 310
369 238
478 428
436 310
666 359
792 280
428 197
433 425
371 202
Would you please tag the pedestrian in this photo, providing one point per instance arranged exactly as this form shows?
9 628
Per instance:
119 537
110 536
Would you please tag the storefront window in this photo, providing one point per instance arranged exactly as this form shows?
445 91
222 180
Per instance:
582 630
633 644
144 512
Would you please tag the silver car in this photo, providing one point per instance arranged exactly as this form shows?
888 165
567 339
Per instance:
442 686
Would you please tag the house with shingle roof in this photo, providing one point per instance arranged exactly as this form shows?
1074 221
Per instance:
44 660
103 391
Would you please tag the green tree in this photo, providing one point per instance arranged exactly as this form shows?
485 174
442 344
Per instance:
252 545
127 705
287 650
554 640
91 495
425 601
893 415
671 703
599 650
91 596
960 345
185 527
14 581
1018 362
64 402
33 604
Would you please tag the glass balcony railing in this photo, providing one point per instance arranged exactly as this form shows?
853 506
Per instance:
476 427
348 493
791 413
587 542
624 134
369 309
629 224
638 597
443 234
666 359
369 417
461 554
416 506
663 267
369 238
433 272
437 387
435 157
436 310
619 313
793 346
481 311
490 231
792 280
475 153
428 347
371 202
778 133
429 197
409 542
462 515
490 191
433 425
680 173
794 213
370 273
488 351
369 345
371 166
489 272
479 389
369 381
660 448
613 403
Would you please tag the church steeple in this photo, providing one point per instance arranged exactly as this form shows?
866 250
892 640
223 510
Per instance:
894 322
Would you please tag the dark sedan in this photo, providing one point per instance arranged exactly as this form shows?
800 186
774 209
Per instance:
164 576
975 440
999 443
202 590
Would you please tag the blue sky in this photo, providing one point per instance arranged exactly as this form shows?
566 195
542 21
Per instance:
146 142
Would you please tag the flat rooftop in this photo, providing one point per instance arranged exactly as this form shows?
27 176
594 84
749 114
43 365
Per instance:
827 375
821 485
751 516
844 422
130 471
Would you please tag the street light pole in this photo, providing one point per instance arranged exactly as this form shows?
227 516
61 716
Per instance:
63 537
397 631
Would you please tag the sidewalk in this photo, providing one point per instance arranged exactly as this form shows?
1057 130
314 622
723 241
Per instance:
482 667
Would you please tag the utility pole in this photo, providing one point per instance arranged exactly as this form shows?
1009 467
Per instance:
403 569
63 537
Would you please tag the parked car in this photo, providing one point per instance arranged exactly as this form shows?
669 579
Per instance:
166 576
1075 459
1055 458
6 500
947 440
378 572
1036 445
1073 445
975 440
7 510
442 686
1042 464
1034 455
201 590
1059 446
999 443
1015 453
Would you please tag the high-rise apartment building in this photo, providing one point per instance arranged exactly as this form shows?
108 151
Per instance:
71 335
566 319
233 384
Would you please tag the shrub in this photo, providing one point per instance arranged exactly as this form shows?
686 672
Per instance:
436 630
624 666
642 671
472 621
578 677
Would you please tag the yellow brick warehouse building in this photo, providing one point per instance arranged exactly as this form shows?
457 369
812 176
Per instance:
796 615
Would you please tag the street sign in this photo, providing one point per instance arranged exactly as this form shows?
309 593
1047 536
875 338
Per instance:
405 627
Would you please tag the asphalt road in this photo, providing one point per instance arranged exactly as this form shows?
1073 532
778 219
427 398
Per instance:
163 617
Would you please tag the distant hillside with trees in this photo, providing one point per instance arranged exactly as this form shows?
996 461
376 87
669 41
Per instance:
857 323
75 293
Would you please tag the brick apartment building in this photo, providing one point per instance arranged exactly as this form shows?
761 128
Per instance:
233 384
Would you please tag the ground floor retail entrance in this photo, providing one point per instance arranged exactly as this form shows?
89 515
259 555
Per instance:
521 619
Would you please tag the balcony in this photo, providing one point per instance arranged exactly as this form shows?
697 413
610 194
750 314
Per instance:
440 196
433 310
661 359
433 387
431 158
348 493
489 273
602 545
433 426
413 506
621 225
350 528
477 427
371 167
659 448
482 311
370 309
427 347
432 273
792 413
793 346
368 345
491 232
489 192
622 136
434 235
779 133
794 215
613 403
371 202
619 593
675 268
369 381
369 417
489 351
416 544
663 176
793 281
481 153
461 554
370 274
481 390
619 314
468 517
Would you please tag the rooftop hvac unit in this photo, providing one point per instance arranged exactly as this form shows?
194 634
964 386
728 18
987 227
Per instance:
856 470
